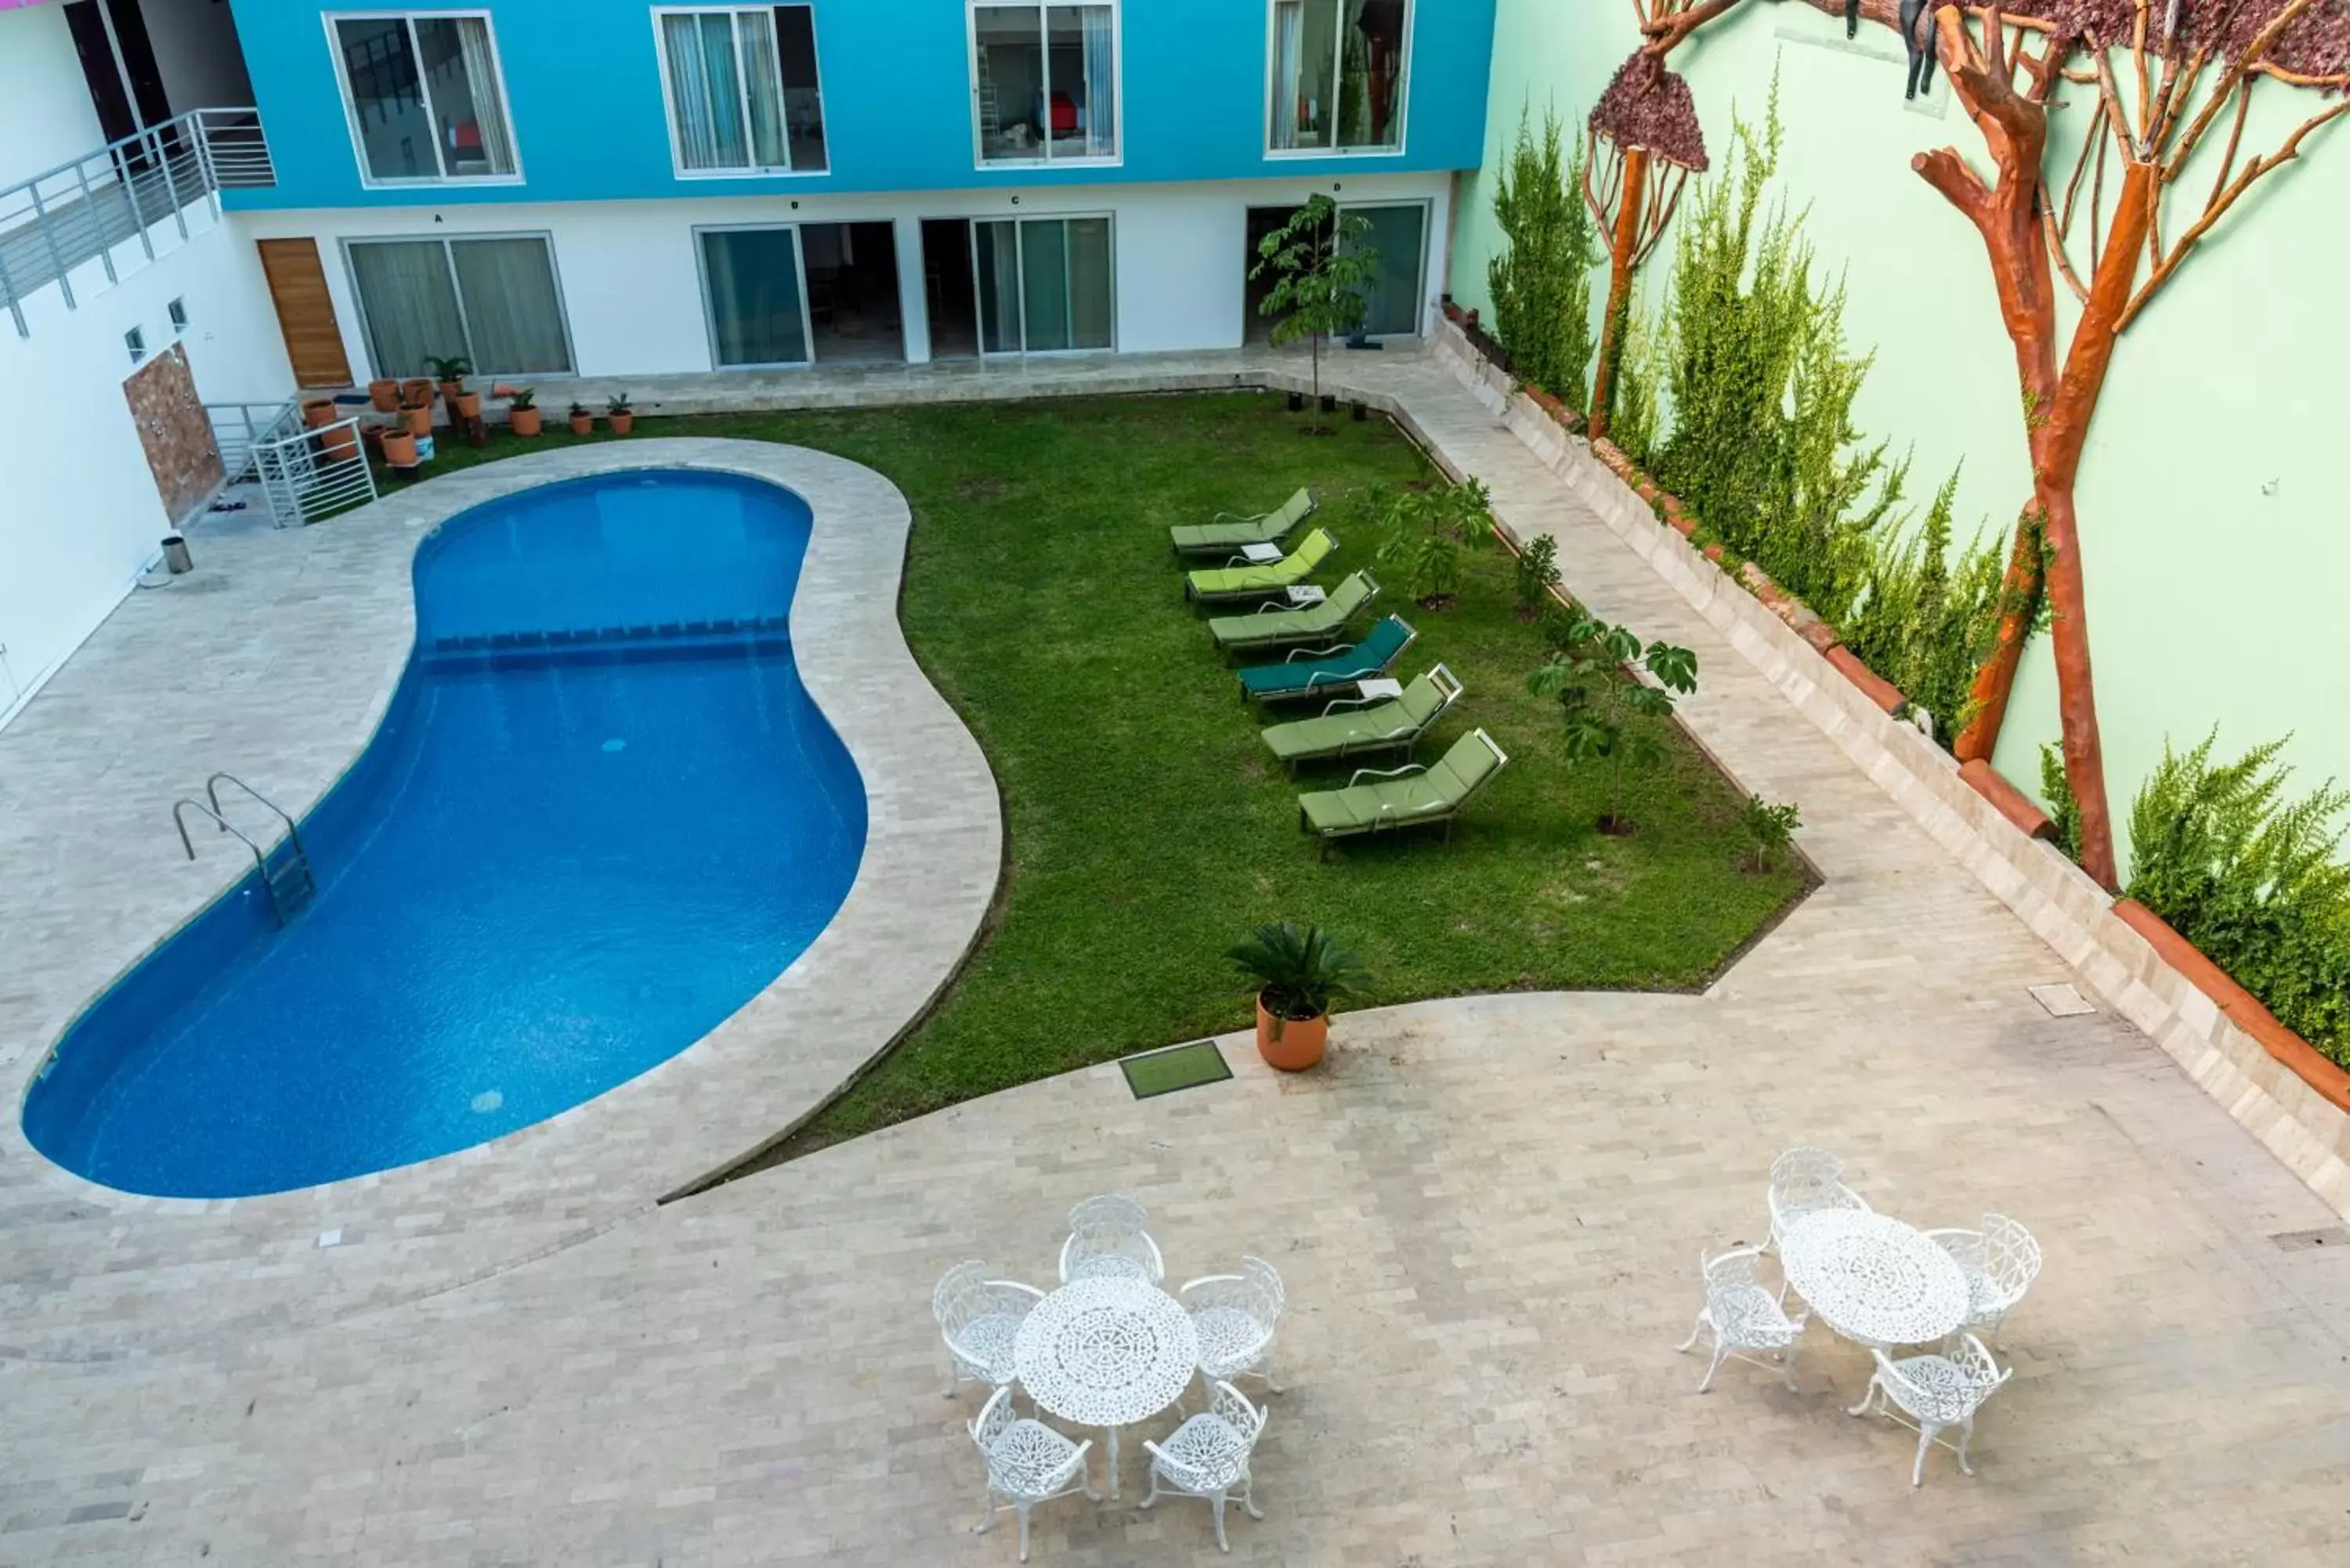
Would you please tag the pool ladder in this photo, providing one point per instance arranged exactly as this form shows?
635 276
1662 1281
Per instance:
287 876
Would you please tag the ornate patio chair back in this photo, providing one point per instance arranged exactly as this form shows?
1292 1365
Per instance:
2011 1258
1210 1453
1745 1312
951 1302
1106 1236
995 1419
1804 1180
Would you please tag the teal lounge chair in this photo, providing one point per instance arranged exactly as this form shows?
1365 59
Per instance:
1409 796
1229 531
1277 625
1329 671
1353 725
1216 584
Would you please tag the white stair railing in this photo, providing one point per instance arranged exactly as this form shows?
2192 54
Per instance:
140 189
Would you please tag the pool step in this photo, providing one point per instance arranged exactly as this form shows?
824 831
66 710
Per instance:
291 885
719 632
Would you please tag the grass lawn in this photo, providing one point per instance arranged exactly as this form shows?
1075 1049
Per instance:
1148 828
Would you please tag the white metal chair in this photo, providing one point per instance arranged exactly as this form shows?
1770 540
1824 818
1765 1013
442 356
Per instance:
1107 1240
1803 1182
1234 1316
1208 1457
1937 1392
1027 1463
1747 1321
2000 1262
979 1317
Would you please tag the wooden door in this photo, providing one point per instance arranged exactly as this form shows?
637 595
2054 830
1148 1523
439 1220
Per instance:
298 283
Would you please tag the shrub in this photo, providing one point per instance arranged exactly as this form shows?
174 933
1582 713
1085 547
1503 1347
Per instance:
1536 576
2249 877
2063 811
1769 829
1924 624
1540 283
1425 532
1611 717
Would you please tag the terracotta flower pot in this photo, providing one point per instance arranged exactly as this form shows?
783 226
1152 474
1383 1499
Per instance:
623 423
468 405
318 411
417 421
384 394
583 424
525 422
398 449
1300 1042
416 391
338 445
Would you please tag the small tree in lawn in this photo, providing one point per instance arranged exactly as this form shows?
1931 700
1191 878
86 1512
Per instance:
1609 715
1322 272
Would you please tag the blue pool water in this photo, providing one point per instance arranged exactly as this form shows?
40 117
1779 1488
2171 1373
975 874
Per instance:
599 816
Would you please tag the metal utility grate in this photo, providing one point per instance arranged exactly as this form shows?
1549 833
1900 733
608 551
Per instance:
1173 1067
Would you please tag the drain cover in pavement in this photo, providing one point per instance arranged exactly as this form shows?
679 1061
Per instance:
2062 1001
1175 1067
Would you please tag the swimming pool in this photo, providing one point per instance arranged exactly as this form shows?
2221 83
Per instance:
600 815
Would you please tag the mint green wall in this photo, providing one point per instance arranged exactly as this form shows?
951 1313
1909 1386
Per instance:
2211 599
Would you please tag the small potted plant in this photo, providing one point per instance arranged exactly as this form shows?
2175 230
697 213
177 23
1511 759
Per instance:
522 411
1298 970
383 395
451 372
623 418
582 421
416 408
399 448
466 405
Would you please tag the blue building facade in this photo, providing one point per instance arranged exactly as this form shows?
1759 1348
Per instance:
609 189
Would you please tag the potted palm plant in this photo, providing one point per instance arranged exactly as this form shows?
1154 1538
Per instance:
451 372
583 422
522 411
623 418
1298 970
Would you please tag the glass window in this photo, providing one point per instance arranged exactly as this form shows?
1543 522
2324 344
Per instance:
1045 284
752 277
1337 75
1045 78
491 301
424 98
1394 296
743 91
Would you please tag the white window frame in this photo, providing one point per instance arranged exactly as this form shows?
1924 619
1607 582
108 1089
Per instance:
669 101
1403 90
457 292
979 158
367 178
710 307
1020 248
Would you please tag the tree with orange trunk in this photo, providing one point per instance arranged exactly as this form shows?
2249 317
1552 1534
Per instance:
2172 79
1642 144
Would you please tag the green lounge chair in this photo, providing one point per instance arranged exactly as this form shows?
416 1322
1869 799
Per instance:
1229 531
1215 584
1328 671
1353 725
1409 796
1277 625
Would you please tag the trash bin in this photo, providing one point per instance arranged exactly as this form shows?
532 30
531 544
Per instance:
175 554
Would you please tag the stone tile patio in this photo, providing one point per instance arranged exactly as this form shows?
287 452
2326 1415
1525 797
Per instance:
1489 1212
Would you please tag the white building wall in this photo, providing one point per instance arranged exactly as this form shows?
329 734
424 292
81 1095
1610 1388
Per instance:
80 515
45 115
632 288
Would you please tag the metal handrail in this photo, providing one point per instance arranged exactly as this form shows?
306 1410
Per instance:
292 832
81 209
260 862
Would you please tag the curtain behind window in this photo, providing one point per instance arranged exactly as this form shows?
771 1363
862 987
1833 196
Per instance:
516 321
999 286
489 110
757 31
1288 72
410 304
1101 82
703 95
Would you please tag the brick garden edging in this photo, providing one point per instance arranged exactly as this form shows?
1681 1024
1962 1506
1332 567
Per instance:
2270 1081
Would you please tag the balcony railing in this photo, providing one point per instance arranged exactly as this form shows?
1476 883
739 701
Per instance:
124 205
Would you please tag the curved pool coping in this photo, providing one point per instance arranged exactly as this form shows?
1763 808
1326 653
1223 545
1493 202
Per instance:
934 854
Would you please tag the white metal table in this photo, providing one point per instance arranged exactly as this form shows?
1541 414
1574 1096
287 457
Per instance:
1260 554
1305 594
1378 688
1106 1352
1873 1278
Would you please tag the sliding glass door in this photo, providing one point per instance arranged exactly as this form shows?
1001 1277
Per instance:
1398 235
491 301
751 278
1045 285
